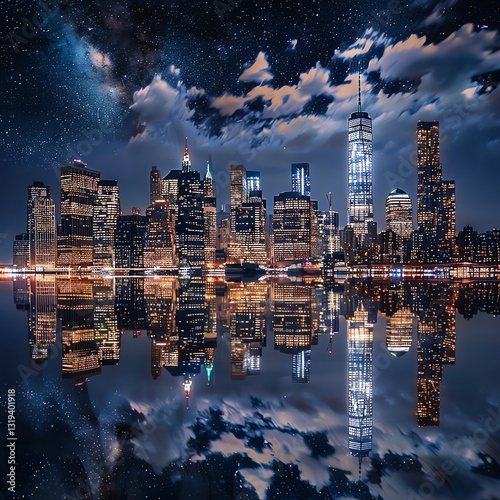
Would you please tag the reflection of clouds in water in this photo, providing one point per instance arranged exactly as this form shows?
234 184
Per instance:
162 438
275 431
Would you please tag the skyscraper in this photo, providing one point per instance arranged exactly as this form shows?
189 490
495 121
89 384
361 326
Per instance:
292 227
129 241
106 211
158 242
252 181
301 182
41 227
21 251
399 213
435 197
239 195
360 171
190 225
209 214
429 175
154 185
75 240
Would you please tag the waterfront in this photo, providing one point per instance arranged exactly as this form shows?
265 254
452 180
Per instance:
257 389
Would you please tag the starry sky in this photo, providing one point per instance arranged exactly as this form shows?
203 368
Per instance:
120 84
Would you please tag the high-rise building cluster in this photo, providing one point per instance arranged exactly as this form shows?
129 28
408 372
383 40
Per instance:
181 227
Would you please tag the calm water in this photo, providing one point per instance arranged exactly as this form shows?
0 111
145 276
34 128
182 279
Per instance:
151 388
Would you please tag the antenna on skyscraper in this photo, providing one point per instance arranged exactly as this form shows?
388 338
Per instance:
359 89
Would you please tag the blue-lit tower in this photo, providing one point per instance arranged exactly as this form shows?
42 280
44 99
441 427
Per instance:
360 175
301 182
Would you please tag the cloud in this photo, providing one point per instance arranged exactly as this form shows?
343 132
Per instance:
159 101
440 13
363 45
292 44
258 71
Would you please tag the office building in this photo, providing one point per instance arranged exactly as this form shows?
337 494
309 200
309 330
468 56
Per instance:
190 224
106 212
252 181
399 213
435 197
292 227
41 225
209 215
360 171
301 182
21 251
75 239
154 185
159 246
129 241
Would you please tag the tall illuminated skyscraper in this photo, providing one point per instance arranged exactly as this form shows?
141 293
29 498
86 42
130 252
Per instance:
158 242
41 227
429 175
292 227
154 185
209 214
190 225
360 171
75 240
106 212
301 182
129 241
252 181
435 197
399 213
239 195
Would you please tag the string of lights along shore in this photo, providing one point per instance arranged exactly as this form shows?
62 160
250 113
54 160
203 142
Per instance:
182 228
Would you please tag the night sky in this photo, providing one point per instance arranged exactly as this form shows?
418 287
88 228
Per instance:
121 83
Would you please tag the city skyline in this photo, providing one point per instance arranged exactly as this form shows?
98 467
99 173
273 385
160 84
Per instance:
281 96
183 229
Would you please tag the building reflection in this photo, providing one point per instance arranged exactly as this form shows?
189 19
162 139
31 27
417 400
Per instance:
130 305
80 353
247 326
329 314
295 325
395 305
183 320
436 333
42 317
107 333
361 315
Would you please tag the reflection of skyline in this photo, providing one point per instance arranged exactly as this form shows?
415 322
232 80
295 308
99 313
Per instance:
184 321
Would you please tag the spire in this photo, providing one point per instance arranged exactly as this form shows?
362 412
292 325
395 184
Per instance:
359 90
208 174
186 162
